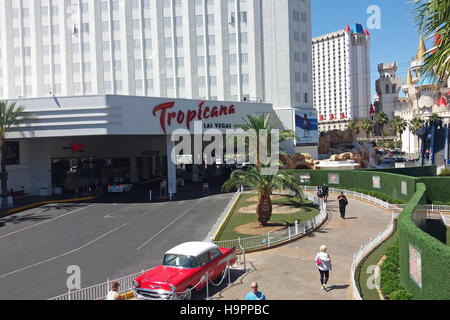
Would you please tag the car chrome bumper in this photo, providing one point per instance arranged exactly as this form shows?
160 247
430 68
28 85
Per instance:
154 294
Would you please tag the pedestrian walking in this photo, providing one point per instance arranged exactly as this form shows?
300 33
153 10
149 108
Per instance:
325 192
343 202
319 193
114 293
323 262
255 294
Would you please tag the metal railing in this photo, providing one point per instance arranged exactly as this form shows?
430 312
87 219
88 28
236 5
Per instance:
365 250
100 291
273 238
363 196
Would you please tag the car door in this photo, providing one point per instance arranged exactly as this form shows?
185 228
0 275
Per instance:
216 265
203 263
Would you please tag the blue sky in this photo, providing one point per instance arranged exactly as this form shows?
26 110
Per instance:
396 41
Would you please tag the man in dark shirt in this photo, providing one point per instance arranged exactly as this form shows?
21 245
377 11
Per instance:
325 192
342 204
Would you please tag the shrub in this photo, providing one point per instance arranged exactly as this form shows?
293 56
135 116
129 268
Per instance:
389 266
445 172
401 295
395 260
438 202
390 282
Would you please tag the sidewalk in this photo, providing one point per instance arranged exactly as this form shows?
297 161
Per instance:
289 272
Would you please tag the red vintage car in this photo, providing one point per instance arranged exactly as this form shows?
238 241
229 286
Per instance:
183 270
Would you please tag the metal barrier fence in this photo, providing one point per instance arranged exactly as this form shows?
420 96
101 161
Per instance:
363 252
272 238
100 291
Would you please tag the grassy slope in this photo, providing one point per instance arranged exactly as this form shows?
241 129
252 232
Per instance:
306 210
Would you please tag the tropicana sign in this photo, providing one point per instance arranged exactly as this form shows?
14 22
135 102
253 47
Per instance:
167 116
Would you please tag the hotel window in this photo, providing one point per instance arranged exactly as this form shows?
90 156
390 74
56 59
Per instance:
199 20
178 21
200 61
233 59
200 41
303 16
180 62
168 43
213 81
169 63
169 83
167 22
244 37
244 58
179 42
244 79
137 65
211 40
147 24
243 17
201 81
233 79
210 19
212 61
231 39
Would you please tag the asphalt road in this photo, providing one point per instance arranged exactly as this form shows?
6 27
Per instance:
111 238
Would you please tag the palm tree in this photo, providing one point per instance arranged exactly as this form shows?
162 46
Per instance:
432 18
435 119
262 122
414 125
264 184
382 119
9 117
353 127
367 126
399 125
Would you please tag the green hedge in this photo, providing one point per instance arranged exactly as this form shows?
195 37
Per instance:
434 255
390 184
438 189
425 171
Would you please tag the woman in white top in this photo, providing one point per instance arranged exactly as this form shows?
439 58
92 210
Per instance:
323 262
114 294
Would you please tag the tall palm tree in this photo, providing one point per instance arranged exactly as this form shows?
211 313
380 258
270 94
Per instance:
264 184
435 119
414 125
367 126
10 115
262 122
353 126
382 119
399 125
432 18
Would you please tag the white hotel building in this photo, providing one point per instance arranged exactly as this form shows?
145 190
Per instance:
341 77
66 60
195 49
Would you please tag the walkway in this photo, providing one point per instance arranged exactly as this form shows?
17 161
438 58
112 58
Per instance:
289 272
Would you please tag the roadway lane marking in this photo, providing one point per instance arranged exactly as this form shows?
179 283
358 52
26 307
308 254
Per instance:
186 211
43 222
69 252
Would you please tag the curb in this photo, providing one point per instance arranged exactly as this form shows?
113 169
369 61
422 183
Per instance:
40 203
226 217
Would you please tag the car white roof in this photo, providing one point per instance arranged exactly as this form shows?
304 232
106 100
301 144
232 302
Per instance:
193 248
